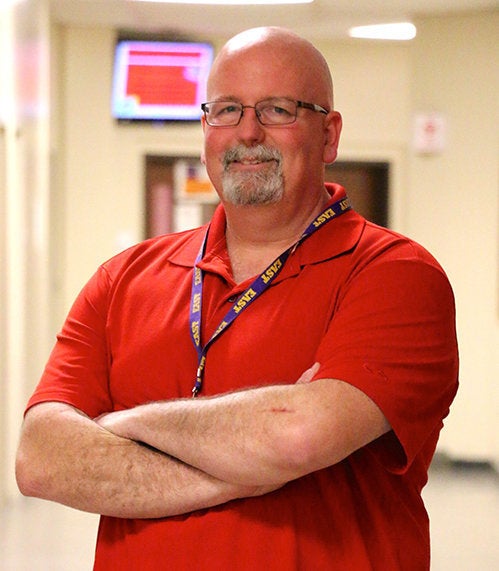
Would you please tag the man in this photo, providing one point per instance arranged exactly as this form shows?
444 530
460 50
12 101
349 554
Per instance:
321 350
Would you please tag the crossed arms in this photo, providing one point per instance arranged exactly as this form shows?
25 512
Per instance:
173 457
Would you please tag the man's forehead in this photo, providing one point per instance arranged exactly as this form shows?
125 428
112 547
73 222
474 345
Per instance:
247 39
273 61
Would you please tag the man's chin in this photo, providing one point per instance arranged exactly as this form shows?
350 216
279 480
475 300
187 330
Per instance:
245 188
250 194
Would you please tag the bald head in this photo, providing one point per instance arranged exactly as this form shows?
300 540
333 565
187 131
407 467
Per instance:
281 53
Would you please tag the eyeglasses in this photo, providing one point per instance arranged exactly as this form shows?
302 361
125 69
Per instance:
272 111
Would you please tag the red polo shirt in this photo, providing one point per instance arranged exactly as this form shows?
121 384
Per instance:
373 307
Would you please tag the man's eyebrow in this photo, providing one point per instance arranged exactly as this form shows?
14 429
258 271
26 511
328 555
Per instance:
226 98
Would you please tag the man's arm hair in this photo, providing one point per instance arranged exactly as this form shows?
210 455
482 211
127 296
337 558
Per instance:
64 456
262 436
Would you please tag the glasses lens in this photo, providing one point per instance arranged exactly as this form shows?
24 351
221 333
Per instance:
276 111
273 111
223 113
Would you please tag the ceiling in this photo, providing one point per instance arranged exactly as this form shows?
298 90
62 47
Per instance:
321 19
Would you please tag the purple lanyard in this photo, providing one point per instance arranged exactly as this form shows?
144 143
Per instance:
259 285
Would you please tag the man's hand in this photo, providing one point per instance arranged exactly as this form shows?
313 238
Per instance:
309 374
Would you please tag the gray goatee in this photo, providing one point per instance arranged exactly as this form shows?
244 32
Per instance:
245 188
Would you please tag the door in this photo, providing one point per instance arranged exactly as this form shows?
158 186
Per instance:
366 184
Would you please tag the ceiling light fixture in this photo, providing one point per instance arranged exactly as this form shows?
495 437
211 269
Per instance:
231 2
399 31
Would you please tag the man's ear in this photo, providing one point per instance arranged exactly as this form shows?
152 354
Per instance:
203 155
332 127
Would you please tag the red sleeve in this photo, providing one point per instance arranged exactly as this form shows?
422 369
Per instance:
77 370
393 337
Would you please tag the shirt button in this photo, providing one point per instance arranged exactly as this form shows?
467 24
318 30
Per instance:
232 299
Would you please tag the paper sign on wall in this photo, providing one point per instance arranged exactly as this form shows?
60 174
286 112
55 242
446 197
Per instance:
429 133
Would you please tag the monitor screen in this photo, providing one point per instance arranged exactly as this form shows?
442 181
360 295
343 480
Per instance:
160 81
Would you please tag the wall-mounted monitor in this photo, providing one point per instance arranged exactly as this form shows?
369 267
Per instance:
160 81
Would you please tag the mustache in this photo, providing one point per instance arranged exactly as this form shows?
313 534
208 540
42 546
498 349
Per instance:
259 153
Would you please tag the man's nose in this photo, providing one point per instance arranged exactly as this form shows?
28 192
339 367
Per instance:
250 129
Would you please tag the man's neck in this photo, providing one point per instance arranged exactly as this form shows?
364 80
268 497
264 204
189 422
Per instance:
258 234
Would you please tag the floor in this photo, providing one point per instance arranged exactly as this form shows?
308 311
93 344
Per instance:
462 499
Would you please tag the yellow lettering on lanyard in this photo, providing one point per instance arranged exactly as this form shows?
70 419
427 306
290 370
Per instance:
271 271
196 303
326 215
195 332
221 327
243 301
197 275
344 204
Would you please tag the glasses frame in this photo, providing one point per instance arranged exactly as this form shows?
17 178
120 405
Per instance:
303 104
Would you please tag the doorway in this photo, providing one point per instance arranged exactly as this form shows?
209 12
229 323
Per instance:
366 184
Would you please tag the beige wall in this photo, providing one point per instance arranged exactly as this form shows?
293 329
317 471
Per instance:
103 161
446 201
5 97
453 207
24 215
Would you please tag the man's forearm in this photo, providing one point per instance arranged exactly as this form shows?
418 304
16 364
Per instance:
66 457
264 436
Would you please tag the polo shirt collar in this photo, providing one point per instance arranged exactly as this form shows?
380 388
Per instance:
331 240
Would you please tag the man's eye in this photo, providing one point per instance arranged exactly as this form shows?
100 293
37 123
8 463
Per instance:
279 110
227 110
